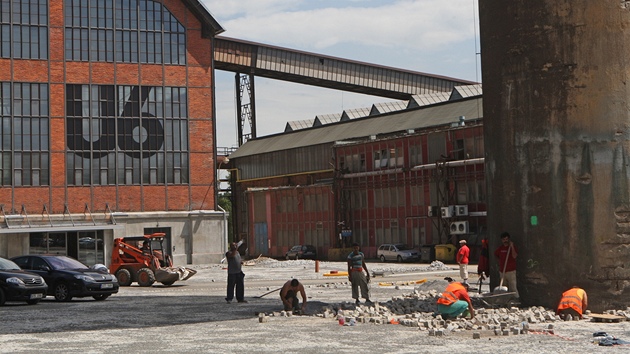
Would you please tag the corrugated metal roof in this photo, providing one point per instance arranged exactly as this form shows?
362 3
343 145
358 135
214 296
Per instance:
439 114
428 99
460 92
386 107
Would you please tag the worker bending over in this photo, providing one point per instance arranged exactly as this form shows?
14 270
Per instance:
455 301
572 304
288 295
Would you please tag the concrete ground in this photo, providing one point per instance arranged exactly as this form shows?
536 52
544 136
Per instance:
193 317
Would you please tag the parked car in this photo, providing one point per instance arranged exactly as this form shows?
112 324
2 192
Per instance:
397 252
68 278
19 285
302 252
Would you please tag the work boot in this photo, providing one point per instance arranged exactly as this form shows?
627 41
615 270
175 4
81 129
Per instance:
368 302
242 301
357 302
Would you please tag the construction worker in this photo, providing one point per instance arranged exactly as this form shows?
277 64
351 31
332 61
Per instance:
507 253
455 301
235 275
356 266
462 259
572 304
288 295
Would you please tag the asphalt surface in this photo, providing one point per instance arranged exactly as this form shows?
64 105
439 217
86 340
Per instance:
193 317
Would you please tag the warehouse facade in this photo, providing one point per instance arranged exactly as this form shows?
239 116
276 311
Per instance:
388 178
107 127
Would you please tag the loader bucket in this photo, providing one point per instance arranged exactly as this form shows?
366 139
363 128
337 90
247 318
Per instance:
172 274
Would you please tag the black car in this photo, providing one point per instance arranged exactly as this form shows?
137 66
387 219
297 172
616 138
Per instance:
18 285
68 278
302 252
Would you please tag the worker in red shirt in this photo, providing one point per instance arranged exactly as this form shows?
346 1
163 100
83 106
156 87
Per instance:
462 259
572 304
455 301
506 253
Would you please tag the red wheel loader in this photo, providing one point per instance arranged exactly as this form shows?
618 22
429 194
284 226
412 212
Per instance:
143 259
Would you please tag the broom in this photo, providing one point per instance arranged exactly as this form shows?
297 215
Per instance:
501 288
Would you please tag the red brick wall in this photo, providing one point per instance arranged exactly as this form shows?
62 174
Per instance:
196 76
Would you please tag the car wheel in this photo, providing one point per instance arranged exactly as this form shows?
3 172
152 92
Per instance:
296 257
286 256
399 258
146 277
100 297
2 298
124 277
62 292
382 258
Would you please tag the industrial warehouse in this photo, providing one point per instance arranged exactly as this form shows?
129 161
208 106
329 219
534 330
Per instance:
413 176
108 140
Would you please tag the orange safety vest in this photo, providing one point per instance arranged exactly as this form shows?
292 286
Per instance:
571 300
448 296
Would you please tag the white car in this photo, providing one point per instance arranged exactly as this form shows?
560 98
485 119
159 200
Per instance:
397 252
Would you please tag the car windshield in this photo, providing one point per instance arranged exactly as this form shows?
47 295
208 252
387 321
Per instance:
65 263
6 264
403 247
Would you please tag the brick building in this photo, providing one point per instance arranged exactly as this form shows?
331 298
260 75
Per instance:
107 127
372 180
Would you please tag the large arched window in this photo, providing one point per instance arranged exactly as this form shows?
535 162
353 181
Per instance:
125 31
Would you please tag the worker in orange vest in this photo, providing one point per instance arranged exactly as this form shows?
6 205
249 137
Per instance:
572 304
455 301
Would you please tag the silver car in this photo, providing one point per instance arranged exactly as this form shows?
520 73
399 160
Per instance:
397 252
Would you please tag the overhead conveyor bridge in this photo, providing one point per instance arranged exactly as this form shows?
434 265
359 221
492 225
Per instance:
249 59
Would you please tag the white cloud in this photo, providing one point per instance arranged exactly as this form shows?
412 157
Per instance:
420 24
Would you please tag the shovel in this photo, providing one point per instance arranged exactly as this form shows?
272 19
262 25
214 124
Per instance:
267 293
501 288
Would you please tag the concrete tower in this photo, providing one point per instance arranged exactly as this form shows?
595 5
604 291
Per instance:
556 82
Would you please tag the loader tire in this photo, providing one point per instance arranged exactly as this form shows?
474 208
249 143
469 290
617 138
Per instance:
167 283
146 277
124 277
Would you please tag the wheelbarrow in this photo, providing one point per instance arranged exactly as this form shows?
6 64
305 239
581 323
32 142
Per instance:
496 300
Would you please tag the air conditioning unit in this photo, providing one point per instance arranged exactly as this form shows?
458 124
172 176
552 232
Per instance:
459 227
433 211
461 210
448 212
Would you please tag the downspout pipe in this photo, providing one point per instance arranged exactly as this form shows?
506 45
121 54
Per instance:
430 166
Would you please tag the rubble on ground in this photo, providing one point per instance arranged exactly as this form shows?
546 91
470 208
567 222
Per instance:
417 309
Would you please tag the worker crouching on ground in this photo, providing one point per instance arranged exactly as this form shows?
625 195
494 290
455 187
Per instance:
288 295
572 304
455 301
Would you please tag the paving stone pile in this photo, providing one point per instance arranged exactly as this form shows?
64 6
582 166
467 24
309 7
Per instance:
417 309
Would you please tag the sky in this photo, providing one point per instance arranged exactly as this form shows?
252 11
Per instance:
439 37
